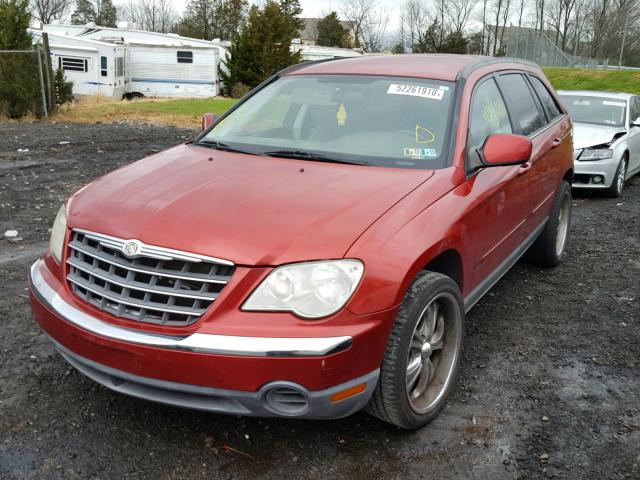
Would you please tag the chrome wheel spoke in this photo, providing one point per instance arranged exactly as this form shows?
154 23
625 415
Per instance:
416 343
437 346
438 333
413 370
426 373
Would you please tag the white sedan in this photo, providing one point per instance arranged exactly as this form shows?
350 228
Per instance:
606 138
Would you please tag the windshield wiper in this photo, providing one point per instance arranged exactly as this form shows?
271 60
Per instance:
222 147
303 155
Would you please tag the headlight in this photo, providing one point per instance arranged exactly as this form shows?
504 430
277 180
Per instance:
596 154
309 290
56 242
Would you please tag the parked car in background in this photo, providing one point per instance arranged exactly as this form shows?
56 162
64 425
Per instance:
606 136
315 250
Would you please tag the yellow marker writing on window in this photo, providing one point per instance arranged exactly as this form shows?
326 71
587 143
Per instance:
424 135
341 116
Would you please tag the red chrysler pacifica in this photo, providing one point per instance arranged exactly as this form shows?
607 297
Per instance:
314 251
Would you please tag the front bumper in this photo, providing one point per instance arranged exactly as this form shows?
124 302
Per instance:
585 171
219 373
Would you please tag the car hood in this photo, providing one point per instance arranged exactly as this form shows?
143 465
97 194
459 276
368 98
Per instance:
248 209
587 135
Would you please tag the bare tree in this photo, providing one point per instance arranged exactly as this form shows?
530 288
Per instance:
457 14
152 15
48 10
368 21
415 21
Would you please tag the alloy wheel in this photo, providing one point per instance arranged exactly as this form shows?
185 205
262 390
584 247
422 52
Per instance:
563 224
433 352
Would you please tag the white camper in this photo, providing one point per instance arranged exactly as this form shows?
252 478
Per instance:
317 52
95 68
156 64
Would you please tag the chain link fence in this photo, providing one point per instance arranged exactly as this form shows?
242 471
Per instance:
24 83
529 44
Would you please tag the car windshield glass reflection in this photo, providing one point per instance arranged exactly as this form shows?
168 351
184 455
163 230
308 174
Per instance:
596 110
364 120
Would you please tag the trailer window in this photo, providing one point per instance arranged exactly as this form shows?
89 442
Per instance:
74 64
119 66
185 57
103 66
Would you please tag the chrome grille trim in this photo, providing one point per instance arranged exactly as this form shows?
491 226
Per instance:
156 285
160 253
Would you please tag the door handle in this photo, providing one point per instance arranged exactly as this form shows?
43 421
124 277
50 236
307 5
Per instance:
556 142
524 168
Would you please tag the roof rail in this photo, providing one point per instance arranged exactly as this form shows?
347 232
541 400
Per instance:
481 62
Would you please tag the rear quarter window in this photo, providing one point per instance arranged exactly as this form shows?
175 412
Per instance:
548 103
521 103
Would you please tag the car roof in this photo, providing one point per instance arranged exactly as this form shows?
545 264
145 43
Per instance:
446 67
595 93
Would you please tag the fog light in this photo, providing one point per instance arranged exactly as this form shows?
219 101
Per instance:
287 401
598 179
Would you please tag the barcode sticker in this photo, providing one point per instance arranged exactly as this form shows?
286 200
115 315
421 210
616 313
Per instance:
415 91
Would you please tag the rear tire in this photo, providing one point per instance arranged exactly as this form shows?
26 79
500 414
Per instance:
615 190
548 248
422 355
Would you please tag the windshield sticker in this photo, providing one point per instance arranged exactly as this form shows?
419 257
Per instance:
613 104
415 91
341 116
424 135
420 152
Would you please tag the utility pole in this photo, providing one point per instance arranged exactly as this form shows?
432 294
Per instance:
49 72
44 97
624 37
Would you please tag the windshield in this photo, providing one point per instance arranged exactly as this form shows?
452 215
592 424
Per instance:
596 110
373 120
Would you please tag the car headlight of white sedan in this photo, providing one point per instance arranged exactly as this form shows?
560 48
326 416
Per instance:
591 154
309 290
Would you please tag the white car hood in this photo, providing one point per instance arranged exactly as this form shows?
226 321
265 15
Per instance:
587 135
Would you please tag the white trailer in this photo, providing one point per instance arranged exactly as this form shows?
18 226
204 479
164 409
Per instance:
157 64
95 68
317 52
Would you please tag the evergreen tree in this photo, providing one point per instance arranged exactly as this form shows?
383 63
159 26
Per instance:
101 12
263 47
107 14
293 11
331 33
84 13
210 19
19 87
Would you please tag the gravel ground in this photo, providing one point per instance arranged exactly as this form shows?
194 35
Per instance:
549 385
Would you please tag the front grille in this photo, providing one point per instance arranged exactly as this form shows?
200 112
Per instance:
156 285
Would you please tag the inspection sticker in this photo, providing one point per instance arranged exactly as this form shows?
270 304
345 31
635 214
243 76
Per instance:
415 91
420 152
614 104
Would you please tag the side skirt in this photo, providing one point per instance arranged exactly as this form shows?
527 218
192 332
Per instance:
486 285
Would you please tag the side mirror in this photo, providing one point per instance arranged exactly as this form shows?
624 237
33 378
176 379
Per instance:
503 149
636 122
208 119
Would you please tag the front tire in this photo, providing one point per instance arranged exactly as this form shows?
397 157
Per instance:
422 355
548 248
615 190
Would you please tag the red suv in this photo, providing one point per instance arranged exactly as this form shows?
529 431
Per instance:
314 251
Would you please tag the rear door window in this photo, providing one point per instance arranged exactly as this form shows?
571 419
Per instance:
521 103
548 103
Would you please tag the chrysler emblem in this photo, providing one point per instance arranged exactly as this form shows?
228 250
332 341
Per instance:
131 247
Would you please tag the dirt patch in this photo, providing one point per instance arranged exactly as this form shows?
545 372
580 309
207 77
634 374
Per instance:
548 387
